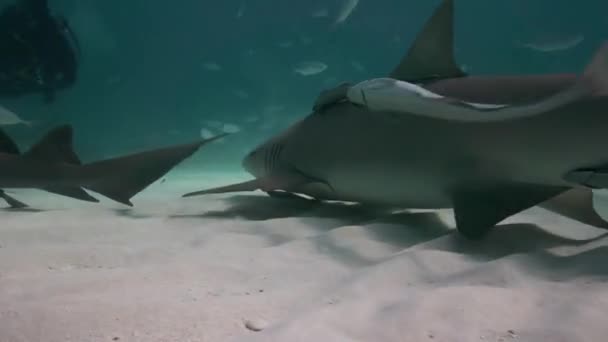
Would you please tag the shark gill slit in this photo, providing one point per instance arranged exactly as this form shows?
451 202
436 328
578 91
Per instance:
271 157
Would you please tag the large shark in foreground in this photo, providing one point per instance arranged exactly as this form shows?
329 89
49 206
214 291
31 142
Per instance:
485 162
52 165
430 61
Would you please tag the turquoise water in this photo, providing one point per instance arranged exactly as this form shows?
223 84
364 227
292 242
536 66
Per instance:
153 73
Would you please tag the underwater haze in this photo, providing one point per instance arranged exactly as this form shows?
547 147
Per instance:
153 73
504 236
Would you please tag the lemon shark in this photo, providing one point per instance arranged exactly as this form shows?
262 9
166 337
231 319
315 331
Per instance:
487 162
52 165
430 63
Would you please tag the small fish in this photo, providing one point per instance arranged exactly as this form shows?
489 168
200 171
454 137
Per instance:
241 94
357 66
553 44
286 44
230 128
310 68
348 6
206 133
8 118
212 66
320 13
241 11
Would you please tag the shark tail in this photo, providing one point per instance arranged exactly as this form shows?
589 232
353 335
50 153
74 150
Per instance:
13 202
122 178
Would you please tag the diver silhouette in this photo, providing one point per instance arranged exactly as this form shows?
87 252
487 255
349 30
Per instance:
38 51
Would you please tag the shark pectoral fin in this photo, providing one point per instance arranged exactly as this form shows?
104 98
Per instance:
56 146
431 56
477 211
251 185
14 203
73 192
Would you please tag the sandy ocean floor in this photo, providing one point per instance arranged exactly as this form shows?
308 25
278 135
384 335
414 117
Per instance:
203 269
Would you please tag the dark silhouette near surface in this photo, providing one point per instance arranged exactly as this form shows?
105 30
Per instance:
39 51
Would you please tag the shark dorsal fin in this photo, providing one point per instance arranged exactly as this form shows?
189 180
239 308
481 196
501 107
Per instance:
7 145
431 56
56 146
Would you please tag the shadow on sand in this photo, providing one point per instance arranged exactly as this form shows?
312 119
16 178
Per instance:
403 231
23 210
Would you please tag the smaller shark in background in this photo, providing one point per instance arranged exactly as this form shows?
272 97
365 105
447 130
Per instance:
53 166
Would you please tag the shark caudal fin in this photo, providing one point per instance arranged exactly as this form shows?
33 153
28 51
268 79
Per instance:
13 202
251 185
57 147
431 56
122 178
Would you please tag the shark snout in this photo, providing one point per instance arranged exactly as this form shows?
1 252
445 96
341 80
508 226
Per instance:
264 159
252 163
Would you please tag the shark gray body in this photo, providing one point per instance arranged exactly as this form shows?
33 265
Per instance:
431 61
485 171
52 165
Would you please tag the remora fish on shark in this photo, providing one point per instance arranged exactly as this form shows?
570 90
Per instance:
485 170
52 165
